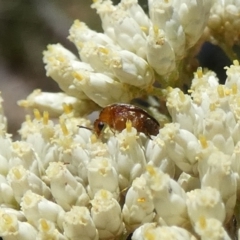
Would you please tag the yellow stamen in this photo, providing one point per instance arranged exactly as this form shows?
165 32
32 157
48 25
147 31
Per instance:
151 170
202 222
103 50
37 114
234 89
77 76
104 194
67 108
45 117
141 200
220 90
203 141
235 62
63 127
212 106
199 72
129 125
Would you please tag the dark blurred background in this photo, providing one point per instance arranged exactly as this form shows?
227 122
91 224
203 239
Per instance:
27 26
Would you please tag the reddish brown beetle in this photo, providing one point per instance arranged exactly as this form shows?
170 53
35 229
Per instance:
116 115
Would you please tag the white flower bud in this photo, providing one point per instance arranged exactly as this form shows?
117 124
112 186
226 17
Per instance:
217 130
78 224
210 228
7 196
12 229
65 188
47 230
135 11
105 9
152 231
124 65
168 197
129 155
193 17
207 203
53 103
60 65
106 214
160 54
164 17
182 109
102 175
188 182
156 155
182 147
131 69
22 180
217 173
233 73
138 207
80 33
35 207
24 154
102 89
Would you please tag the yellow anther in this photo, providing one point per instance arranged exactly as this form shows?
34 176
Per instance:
44 225
150 169
234 89
63 127
203 141
212 106
77 76
235 62
67 108
7 219
93 138
45 117
103 50
220 90
129 125
37 114
199 72
141 200
104 194
202 222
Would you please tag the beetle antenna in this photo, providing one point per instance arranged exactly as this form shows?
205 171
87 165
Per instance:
85 127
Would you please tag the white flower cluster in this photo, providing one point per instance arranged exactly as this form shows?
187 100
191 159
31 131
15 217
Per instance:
61 182
224 24
134 51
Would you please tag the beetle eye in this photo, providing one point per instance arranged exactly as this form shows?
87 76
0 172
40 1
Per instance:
100 125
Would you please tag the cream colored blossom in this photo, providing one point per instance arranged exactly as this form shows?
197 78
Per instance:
138 208
102 175
65 188
152 231
168 197
207 203
22 180
35 207
78 224
211 228
106 215
11 228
